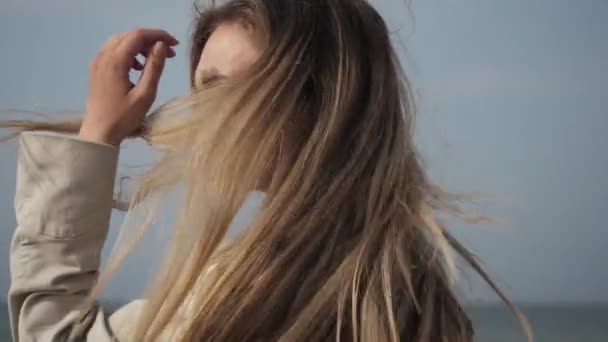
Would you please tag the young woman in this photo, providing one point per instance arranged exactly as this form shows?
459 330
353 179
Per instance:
304 100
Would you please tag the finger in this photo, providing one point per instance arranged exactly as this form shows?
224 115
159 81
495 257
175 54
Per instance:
137 40
148 83
114 41
137 65
170 51
107 50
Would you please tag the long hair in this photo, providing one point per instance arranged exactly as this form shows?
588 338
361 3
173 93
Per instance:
347 245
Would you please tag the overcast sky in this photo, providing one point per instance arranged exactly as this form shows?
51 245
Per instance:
513 103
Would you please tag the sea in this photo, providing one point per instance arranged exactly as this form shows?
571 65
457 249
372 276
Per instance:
495 324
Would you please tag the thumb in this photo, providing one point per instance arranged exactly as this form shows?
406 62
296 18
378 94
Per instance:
153 69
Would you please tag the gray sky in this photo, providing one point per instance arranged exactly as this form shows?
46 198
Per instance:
513 103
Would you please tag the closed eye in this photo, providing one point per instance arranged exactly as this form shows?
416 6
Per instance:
211 78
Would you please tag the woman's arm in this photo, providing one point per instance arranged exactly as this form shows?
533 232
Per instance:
64 194
63 203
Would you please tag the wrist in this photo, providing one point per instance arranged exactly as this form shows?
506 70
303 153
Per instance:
99 136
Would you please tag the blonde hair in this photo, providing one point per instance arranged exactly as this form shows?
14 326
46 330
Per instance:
347 245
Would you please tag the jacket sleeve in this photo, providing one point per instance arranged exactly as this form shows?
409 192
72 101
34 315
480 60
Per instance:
63 203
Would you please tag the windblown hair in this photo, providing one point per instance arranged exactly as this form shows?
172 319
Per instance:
347 245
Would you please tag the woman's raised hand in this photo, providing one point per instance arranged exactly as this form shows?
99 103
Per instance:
115 106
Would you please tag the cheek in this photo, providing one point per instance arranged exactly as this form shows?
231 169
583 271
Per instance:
243 64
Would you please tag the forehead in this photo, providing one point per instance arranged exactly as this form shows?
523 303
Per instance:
229 51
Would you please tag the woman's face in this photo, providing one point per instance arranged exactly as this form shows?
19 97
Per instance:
229 51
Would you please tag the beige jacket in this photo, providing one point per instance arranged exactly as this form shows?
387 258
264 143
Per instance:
63 203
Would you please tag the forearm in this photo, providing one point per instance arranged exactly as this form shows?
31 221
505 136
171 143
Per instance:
63 203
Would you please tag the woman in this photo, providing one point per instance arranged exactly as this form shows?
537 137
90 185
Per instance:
304 100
